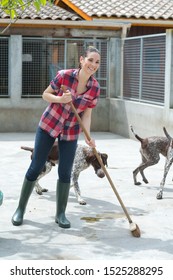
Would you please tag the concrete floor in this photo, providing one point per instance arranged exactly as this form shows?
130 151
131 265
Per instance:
100 229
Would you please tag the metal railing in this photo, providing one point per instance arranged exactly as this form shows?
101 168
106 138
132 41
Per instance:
144 68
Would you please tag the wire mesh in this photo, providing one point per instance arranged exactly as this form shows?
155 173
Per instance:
144 68
4 67
43 57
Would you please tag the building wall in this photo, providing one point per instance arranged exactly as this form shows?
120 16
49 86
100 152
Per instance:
147 119
25 118
112 114
23 114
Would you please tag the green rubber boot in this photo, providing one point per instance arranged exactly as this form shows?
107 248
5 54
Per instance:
26 191
1 197
62 192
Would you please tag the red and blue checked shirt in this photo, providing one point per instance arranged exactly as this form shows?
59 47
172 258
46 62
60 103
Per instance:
58 118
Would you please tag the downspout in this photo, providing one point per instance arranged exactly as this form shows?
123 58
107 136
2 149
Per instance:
124 33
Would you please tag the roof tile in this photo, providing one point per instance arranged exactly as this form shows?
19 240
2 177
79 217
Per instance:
127 8
46 12
157 9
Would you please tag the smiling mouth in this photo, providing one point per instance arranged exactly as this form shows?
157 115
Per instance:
91 69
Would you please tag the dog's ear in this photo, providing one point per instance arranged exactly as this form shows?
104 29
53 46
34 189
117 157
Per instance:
104 159
90 158
89 155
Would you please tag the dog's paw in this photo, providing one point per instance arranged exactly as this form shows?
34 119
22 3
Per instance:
159 195
82 201
40 190
44 190
145 181
138 183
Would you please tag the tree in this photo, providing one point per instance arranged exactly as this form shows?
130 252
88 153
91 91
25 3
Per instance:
14 8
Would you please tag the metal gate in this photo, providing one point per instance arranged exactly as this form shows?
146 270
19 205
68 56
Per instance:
4 45
43 57
144 68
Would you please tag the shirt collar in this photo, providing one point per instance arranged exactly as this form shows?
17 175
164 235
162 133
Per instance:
90 80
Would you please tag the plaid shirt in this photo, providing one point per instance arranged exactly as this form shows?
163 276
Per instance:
58 118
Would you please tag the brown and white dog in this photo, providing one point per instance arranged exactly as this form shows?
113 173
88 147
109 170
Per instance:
84 158
151 149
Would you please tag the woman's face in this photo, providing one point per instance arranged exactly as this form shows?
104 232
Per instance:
90 63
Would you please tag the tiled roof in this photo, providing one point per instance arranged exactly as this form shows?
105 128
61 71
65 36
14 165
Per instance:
148 9
137 9
47 12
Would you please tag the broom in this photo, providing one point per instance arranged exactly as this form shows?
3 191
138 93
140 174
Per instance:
133 227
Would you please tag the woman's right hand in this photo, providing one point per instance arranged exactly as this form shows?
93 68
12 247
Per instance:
49 96
66 97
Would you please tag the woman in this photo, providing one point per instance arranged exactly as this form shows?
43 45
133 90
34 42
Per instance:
58 121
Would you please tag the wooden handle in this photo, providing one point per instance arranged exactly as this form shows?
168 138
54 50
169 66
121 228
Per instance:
80 121
99 158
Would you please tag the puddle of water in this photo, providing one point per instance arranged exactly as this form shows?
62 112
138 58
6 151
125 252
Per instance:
90 219
102 216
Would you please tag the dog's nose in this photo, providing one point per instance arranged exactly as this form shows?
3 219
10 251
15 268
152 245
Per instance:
100 173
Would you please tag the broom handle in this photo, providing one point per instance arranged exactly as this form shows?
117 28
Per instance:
100 161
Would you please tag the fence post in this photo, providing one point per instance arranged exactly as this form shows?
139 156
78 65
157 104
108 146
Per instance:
15 69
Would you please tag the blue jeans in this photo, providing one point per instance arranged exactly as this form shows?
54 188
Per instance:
43 145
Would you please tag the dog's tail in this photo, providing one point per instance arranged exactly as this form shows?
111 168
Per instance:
137 136
27 148
167 134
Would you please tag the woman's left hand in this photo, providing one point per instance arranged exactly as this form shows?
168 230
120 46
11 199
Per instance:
91 143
